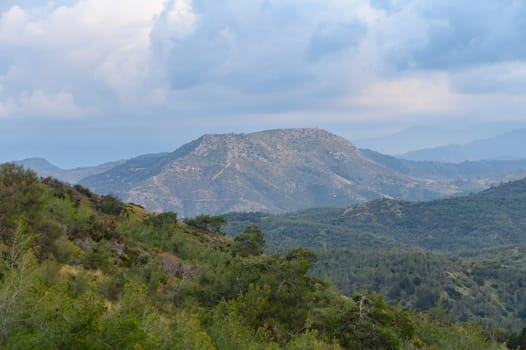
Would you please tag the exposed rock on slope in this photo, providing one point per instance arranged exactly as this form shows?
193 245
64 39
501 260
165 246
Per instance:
276 171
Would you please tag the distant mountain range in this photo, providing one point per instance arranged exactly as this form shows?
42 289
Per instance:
510 145
432 136
461 225
467 170
275 171
45 169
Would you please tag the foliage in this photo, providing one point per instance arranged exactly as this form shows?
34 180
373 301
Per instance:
460 226
129 279
161 220
249 242
518 341
488 292
206 222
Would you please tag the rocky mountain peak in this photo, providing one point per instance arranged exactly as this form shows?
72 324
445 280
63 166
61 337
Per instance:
275 170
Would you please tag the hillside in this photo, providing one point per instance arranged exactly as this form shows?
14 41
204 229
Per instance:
492 218
44 168
488 291
510 145
275 171
79 270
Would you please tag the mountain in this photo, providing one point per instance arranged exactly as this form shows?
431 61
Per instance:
431 136
274 171
467 170
40 165
510 145
460 225
44 169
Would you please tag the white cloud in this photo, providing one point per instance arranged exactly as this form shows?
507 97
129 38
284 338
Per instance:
40 104
189 58
408 96
93 43
505 77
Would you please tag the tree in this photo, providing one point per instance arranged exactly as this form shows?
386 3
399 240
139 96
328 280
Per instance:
20 196
250 242
206 222
518 341
161 220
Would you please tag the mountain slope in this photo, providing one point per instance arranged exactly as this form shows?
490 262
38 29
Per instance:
44 169
510 145
276 171
492 218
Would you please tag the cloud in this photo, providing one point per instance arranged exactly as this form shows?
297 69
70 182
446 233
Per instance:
100 60
178 59
333 38
156 73
259 56
41 104
410 96
456 34
507 77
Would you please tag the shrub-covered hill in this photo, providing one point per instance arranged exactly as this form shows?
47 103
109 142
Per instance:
468 224
83 271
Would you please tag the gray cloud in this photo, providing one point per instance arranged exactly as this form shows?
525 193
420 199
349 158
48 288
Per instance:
333 38
267 56
258 47
460 34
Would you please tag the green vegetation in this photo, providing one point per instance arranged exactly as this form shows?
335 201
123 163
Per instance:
488 292
477 272
206 222
459 226
74 273
518 341
249 242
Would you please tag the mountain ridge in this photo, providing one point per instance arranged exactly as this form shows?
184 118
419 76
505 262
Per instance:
274 170
45 168
467 170
506 146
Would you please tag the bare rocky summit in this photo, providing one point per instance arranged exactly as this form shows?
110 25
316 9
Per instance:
274 171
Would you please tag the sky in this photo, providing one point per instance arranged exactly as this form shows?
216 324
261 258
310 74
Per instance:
88 81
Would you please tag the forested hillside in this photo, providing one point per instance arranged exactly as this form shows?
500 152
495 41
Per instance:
385 246
79 270
460 225
489 291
